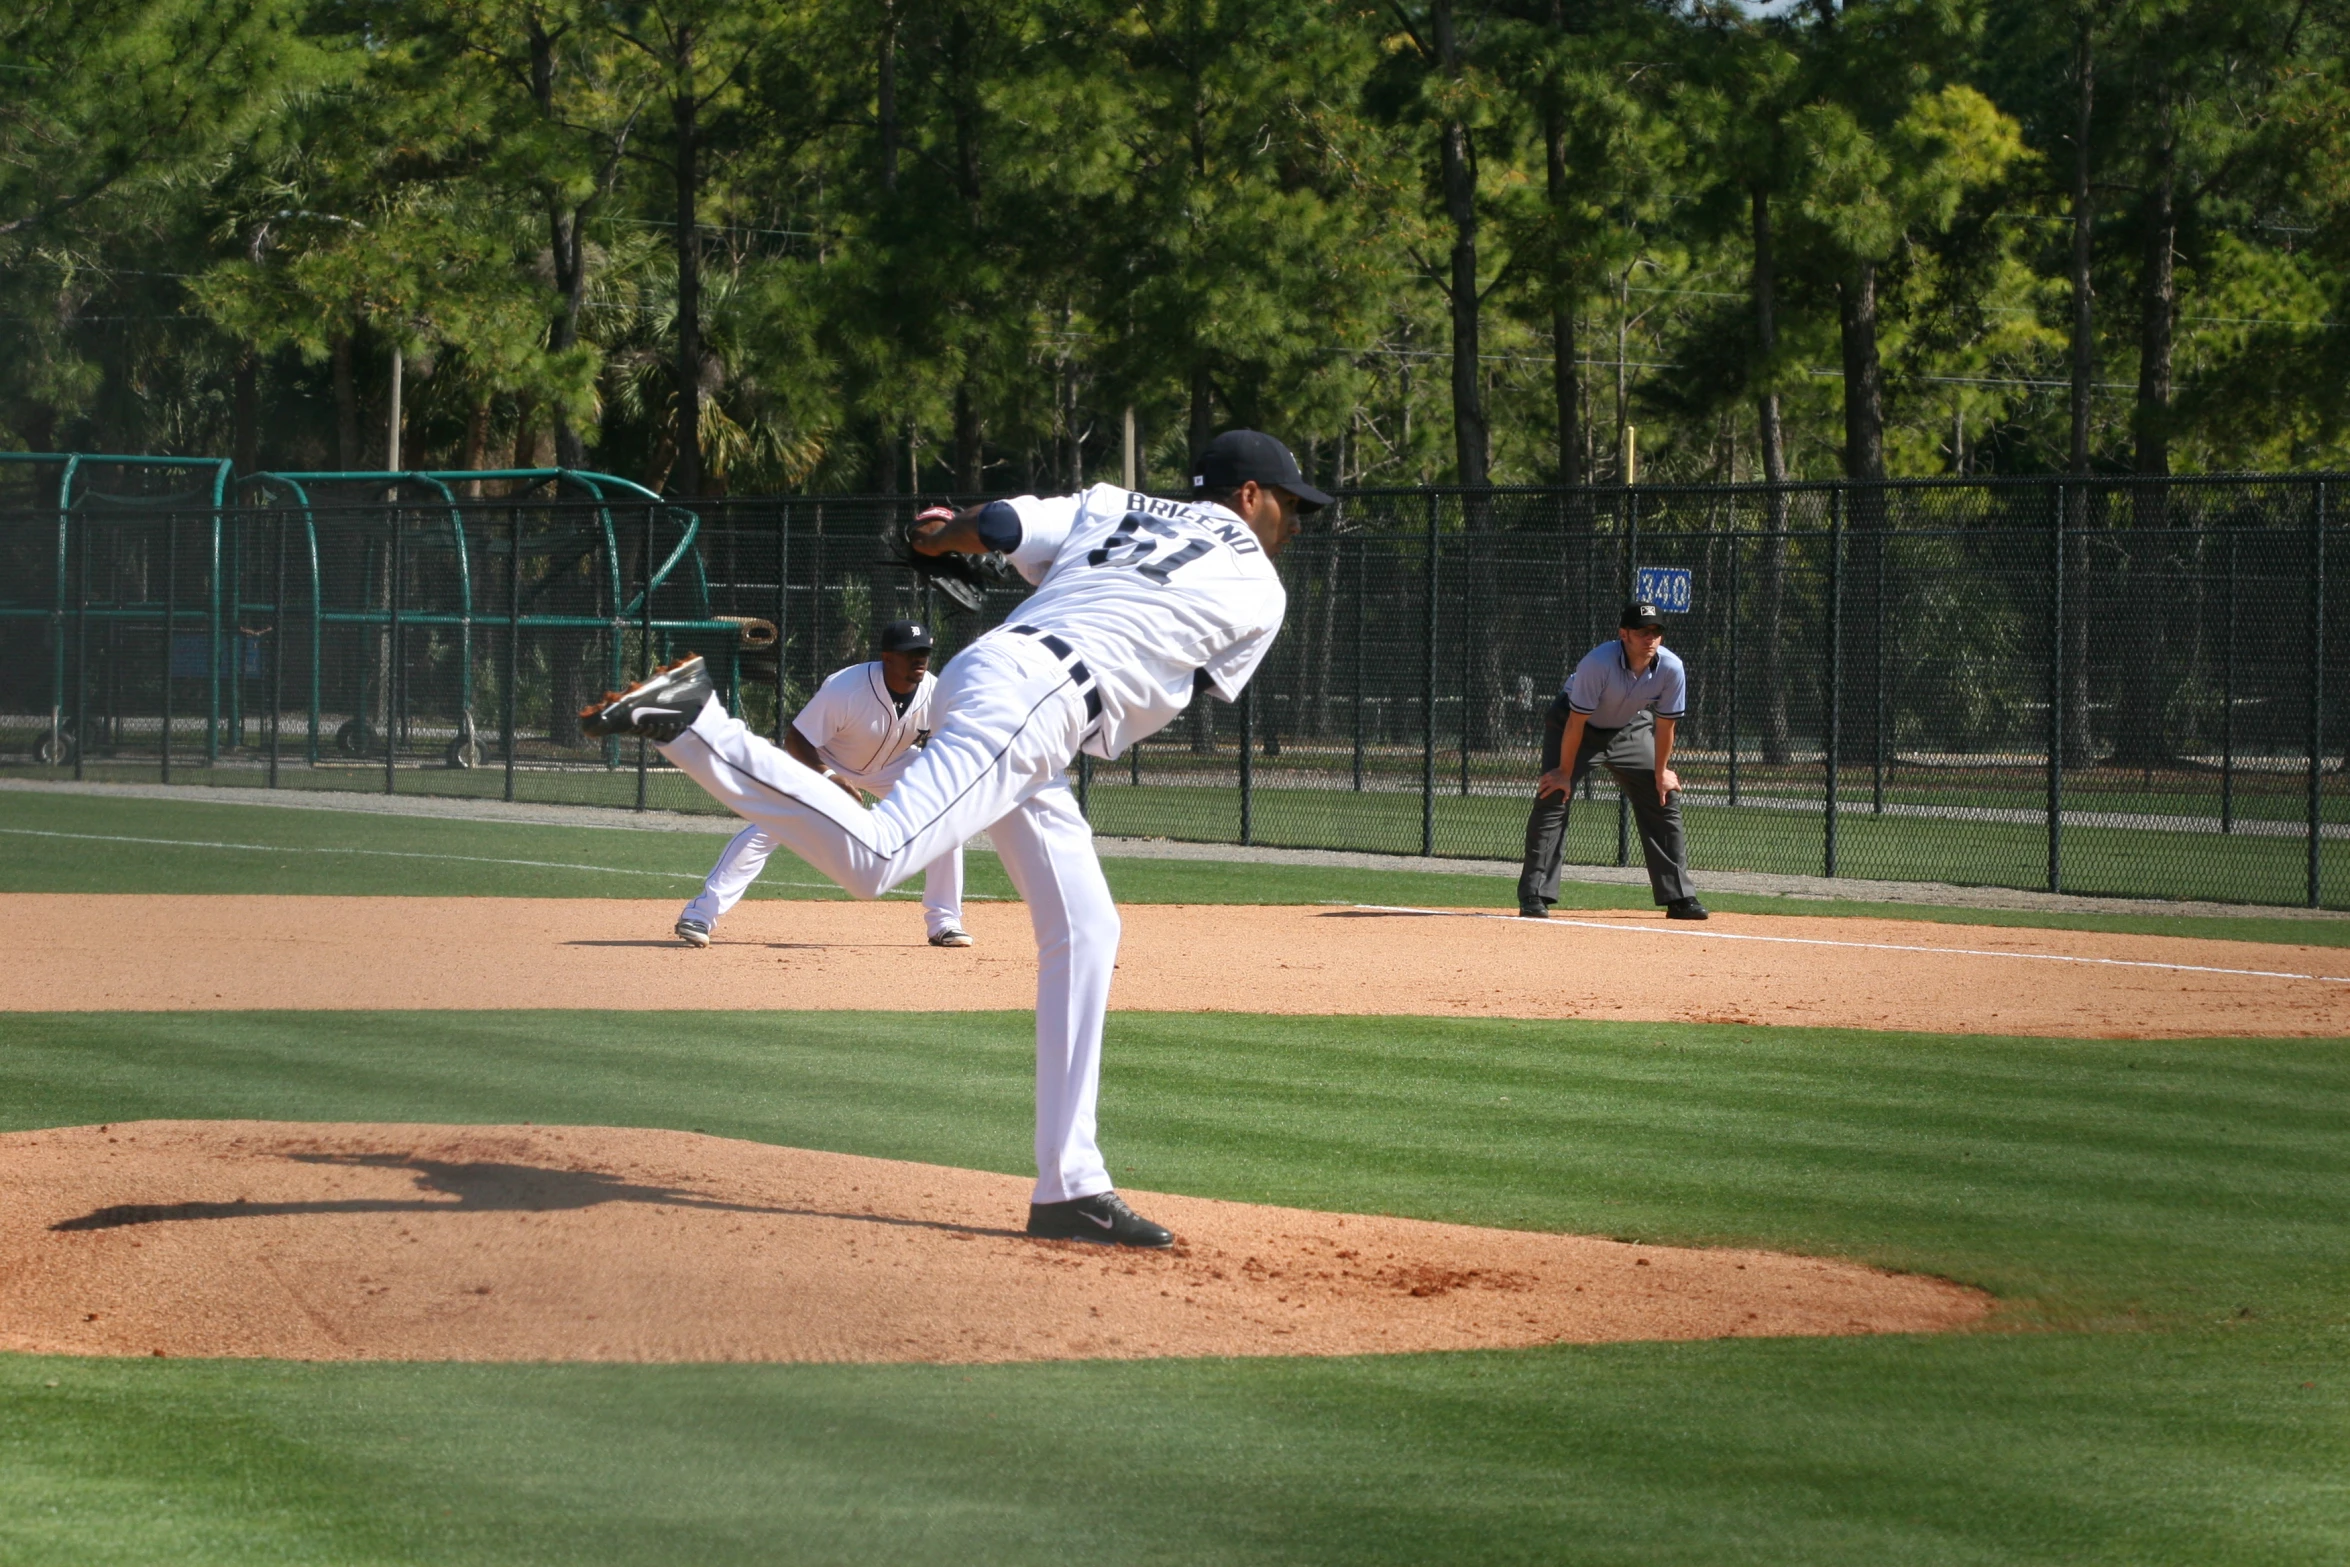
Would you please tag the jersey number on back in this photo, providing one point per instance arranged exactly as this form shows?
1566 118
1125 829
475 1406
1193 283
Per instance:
1127 546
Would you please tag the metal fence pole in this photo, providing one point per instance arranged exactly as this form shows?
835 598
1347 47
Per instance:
1248 775
782 616
81 661
1084 785
171 594
1835 724
2317 690
277 643
395 602
2227 695
1428 688
644 656
2056 614
1461 655
235 630
1877 734
61 572
1362 571
1631 591
816 659
1733 671
212 649
513 635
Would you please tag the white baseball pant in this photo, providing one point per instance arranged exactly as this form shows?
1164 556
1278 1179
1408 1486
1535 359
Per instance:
745 856
1006 720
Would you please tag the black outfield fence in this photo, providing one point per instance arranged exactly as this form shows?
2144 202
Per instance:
2111 686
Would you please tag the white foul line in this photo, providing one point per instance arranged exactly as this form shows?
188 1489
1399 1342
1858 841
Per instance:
1866 946
416 854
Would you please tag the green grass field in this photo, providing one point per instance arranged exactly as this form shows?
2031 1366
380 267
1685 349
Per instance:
2167 1226
2243 867
207 842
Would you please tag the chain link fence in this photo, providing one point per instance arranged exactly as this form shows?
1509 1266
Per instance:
2108 686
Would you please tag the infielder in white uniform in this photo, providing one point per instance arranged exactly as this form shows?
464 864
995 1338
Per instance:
1139 602
861 729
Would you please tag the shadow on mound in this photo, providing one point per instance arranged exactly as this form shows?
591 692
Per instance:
478 1187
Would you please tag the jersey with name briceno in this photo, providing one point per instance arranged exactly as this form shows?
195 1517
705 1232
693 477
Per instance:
854 724
1149 592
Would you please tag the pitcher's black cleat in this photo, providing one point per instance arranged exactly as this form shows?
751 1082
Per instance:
1685 909
1102 1218
660 707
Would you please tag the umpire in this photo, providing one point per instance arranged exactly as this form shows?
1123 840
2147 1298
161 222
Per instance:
1620 706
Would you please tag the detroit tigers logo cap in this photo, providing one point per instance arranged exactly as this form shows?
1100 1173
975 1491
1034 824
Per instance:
905 636
1237 456
1638 615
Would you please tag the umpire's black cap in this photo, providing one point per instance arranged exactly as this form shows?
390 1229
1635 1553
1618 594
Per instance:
905 636
1641 615
1237 456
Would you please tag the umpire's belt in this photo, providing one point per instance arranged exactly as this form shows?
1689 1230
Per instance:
1079 676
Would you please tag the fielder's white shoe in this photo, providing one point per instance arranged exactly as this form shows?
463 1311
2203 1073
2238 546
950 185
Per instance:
693 933
952 936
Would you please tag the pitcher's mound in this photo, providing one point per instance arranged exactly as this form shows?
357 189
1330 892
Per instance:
385 1242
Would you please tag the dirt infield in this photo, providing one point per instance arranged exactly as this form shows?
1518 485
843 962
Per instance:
77 953
354 1242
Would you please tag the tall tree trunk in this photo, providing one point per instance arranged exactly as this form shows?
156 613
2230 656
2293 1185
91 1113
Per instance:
1770 437
565 243
2138 731
346 406
245 414
885 96
1566 377
477 442
1470 441
970 467
685 111
1864 463
1203 406
2079 740
1864 390
2084 364
2158 311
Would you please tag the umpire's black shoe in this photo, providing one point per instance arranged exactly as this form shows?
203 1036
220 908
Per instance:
1102 1218
1685 909
1533 911
660 707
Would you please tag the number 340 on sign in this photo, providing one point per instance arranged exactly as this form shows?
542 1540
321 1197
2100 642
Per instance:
1667 587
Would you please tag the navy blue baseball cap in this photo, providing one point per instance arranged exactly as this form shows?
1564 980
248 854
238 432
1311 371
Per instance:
1237 456
905 636
1640 615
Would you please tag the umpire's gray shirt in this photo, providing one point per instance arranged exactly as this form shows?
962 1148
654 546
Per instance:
1606 692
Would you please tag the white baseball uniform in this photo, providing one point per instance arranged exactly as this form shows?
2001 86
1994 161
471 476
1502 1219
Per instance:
1137 600
857 727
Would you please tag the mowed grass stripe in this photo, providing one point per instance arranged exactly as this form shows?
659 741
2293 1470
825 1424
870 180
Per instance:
2042 1169
470 858
2169 1224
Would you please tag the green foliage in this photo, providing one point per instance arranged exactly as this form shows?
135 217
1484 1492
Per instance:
218 221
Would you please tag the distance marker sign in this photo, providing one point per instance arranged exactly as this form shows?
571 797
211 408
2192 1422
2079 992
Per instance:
1667 587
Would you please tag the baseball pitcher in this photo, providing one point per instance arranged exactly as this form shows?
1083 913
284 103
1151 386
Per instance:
1138 603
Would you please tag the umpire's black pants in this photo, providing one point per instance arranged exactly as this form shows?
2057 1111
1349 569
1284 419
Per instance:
1630 754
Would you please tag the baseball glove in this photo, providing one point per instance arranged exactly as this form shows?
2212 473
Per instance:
962 578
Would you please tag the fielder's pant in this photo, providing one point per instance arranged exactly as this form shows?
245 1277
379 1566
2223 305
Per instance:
1630 754
1008 718
745 856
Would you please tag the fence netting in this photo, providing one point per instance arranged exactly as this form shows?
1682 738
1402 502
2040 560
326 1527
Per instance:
2116 686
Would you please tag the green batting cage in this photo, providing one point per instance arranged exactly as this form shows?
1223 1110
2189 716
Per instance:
162 616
